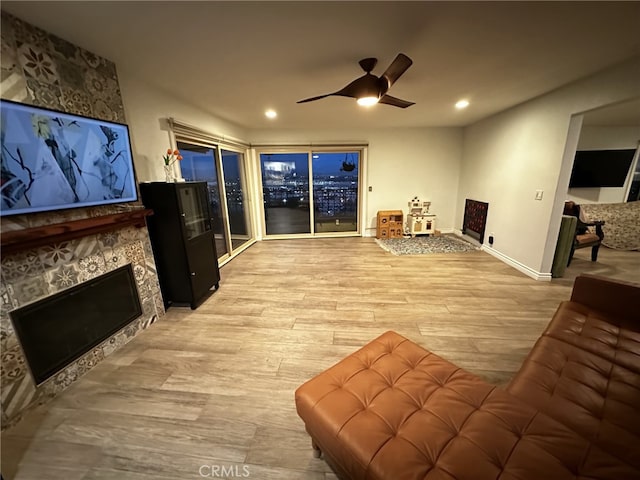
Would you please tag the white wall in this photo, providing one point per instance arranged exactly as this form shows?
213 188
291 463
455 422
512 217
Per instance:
146 109
510 155
605 138
402 163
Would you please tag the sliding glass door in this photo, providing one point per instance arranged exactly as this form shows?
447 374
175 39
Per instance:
224 172
335 191
285 189
311 193
237 198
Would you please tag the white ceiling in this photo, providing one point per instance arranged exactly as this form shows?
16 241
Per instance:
236 59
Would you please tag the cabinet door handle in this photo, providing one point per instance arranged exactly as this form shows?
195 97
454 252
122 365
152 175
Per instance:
193 274
183 215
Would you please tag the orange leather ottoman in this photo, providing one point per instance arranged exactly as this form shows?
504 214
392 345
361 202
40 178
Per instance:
393 410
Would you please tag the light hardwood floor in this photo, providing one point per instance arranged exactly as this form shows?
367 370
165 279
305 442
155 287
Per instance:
214 387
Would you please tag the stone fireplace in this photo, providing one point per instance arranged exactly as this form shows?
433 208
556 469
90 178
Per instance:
33 275
76 81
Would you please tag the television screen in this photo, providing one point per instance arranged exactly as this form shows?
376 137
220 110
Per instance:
600 168
52 160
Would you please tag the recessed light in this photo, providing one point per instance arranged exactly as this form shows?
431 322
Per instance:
271 113
460 104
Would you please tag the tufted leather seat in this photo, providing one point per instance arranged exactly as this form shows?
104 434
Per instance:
393 410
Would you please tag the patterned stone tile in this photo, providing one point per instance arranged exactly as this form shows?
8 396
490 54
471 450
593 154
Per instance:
140 274
65 377
49 218
7 302
13 85
6 29
37 64
96 84
148 250
115 257
101 109
46 95
90 360
63 277
107 69
135 252
148 307
63 50
26 33
87 246
13 365
113 344
159 305
71 75
17 395
57 254
91 59
9 59
149 321
21 265
109 239
16 222
76 101
8 338
91 266
132 329
144 292
29 290
129 235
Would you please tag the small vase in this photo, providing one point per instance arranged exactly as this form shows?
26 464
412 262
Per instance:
169 174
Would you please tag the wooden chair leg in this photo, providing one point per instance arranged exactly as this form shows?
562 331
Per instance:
317 453
594 252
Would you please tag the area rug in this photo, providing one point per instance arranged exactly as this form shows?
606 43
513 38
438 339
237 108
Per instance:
422 244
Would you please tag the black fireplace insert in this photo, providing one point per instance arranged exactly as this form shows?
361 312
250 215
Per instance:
58 329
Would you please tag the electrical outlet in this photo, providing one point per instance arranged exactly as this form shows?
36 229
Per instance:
539 194
370 188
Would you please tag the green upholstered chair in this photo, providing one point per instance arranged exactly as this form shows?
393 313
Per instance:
564 247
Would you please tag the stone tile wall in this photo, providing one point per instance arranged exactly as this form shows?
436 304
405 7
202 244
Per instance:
41 69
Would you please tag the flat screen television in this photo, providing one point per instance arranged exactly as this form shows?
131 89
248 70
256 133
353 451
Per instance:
53 160
600 168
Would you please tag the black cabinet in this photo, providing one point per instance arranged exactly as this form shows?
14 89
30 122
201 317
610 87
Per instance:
182 239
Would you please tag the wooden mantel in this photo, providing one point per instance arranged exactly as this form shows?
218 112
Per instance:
28 238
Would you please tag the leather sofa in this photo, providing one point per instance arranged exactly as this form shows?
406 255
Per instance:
393 410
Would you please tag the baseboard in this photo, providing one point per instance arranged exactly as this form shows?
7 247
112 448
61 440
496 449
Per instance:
539 276
467 238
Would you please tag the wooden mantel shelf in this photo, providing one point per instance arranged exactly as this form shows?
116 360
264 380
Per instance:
28 238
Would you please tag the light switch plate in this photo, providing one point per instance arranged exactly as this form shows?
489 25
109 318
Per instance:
539 194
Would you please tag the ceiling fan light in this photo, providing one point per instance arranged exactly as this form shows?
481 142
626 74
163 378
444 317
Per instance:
367 101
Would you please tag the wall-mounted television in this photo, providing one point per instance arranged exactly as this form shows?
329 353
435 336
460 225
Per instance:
53 160
601 168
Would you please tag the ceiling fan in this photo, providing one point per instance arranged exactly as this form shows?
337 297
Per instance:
369 89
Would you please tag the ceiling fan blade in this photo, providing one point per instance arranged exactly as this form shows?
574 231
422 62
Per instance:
315 98
396 102
397 68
